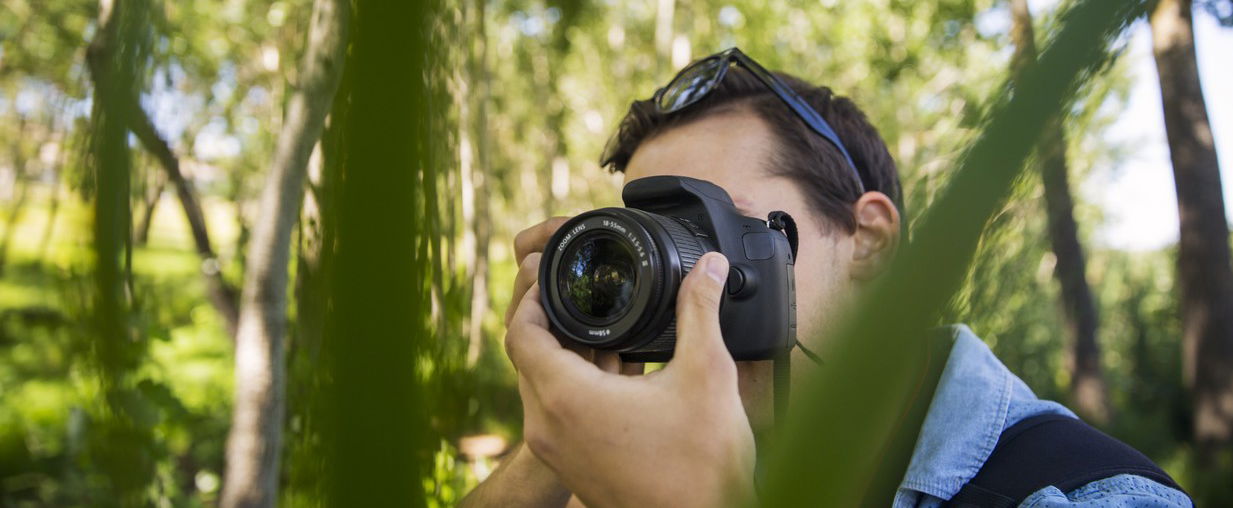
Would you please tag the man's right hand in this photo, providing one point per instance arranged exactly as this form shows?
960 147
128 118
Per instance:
523 479
528 247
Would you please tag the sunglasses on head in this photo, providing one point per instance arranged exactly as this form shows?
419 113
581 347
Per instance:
703 76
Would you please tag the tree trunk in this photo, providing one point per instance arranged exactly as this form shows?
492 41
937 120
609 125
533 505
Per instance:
1087 386
254 444
663 35
221 294
21 188
53 211
116 57
551 145
14 216
152 196
481 222
1204 275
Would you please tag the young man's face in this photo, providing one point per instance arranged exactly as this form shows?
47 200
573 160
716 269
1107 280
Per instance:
733 150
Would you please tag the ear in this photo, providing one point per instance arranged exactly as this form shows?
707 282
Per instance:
876 237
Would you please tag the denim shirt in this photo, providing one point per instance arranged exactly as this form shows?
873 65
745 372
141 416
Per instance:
976 399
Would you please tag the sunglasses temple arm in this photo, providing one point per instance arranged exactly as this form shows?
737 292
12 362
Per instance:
795 102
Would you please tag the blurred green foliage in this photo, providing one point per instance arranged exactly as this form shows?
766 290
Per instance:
505 131
871 394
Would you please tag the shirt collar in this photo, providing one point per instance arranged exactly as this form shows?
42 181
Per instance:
966 417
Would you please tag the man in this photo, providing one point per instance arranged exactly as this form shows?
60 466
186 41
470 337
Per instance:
684 435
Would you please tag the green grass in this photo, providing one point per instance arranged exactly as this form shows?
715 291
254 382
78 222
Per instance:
46 383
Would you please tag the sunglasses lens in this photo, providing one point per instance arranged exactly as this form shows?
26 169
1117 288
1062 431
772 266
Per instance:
691 85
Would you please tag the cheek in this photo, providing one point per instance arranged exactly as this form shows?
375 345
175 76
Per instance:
820 286
809 281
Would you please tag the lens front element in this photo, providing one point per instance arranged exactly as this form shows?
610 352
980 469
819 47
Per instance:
608 277
598 277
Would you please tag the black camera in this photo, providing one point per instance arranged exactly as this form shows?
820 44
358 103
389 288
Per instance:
609 277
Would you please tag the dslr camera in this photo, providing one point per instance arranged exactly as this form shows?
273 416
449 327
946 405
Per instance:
609 277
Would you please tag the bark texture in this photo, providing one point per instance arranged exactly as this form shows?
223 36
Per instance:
254 444
1087 387
1204 275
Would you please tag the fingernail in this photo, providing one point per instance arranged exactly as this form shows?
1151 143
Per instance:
717 267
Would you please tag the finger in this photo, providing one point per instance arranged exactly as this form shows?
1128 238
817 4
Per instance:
533 238
632 368
528 273
611 362
582 351
532 416
536 353
699 342
608 361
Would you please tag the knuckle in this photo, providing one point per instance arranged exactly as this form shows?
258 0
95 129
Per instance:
524 241
703 297
558 404
512 345
538 440
723 369
530 264
719 371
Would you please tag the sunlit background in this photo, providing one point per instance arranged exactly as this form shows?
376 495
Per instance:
534 88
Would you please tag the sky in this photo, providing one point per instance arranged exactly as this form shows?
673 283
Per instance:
1137 197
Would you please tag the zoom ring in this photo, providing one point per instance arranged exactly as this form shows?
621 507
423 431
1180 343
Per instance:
687 245
690 250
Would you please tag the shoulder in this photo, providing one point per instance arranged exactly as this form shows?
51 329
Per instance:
986 428
1120 490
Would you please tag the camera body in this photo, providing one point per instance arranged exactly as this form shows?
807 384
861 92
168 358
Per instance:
609 277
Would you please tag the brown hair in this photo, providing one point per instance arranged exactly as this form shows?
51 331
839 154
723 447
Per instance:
802 155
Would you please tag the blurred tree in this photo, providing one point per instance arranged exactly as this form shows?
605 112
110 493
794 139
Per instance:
254 449
475 166
379 317
222 294
1221 9
155 185
18 154
118 52
1205 275
1087 386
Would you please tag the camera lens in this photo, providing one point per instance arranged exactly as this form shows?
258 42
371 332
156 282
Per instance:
608 278
598 277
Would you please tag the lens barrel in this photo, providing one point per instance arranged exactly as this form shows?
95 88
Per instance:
609 277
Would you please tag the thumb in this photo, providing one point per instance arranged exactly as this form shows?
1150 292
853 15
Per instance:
699 341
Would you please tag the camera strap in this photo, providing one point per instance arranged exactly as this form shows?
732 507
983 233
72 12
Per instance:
782 378
781 384
782 222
